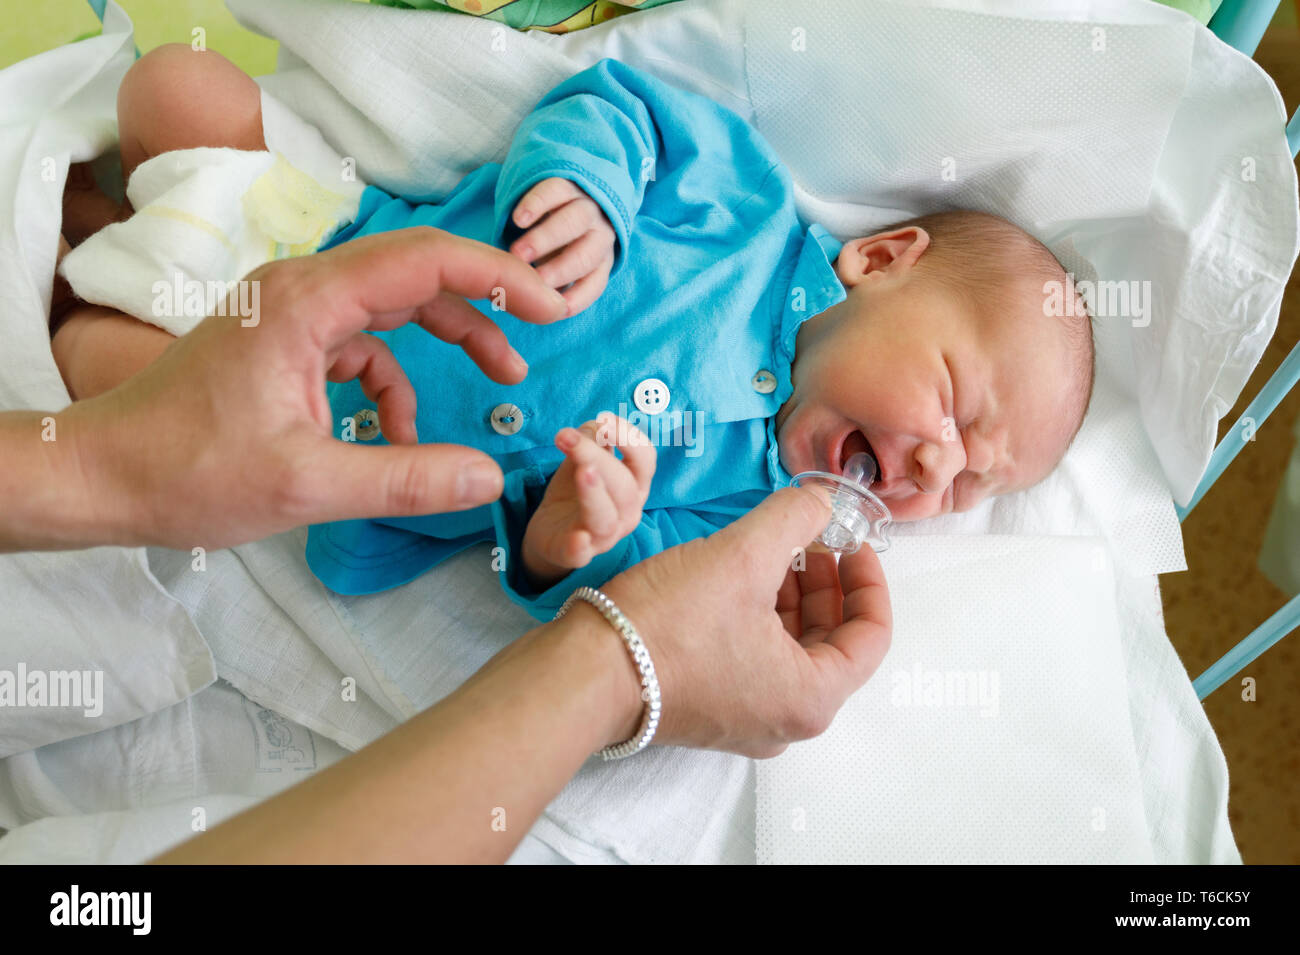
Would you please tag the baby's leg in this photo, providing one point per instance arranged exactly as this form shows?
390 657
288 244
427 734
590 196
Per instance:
175 97
97 348
86 209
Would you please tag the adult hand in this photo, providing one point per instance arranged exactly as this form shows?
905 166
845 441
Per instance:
750 653
227 436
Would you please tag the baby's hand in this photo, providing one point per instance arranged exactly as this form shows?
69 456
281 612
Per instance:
569 240
593 501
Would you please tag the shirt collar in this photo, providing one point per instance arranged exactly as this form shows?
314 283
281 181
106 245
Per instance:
813 287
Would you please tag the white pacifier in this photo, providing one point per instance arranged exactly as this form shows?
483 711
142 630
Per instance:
857 516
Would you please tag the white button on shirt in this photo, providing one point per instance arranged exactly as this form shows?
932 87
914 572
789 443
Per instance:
507 419
651 396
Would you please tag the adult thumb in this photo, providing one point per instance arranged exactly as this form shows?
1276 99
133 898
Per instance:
784 522
400 480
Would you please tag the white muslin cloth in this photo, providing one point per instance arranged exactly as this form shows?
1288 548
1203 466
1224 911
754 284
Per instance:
997 730
410 647
205 218
98 610
194 765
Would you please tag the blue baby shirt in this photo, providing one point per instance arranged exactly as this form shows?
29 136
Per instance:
692 340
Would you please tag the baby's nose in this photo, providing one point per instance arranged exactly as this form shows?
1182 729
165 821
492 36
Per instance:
935 466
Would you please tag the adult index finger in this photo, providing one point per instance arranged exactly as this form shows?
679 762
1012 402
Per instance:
381 281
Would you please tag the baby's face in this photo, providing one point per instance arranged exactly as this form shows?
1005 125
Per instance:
955 406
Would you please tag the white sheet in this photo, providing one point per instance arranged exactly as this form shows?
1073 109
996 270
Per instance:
430 118
196 231
197 764
100 609
1005 738
218 746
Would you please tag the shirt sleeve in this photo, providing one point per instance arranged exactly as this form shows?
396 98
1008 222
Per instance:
597 129
658 530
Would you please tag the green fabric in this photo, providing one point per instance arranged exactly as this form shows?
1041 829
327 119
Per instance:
538 14
32 28
1200 9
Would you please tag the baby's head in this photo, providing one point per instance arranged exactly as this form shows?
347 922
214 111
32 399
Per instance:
943 361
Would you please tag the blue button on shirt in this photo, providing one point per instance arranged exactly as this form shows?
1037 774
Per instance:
713 276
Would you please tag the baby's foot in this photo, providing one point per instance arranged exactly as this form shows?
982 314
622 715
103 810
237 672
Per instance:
86 209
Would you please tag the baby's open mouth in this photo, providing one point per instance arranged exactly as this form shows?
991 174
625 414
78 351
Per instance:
855 442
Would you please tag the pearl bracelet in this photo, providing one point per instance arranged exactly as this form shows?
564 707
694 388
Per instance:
640 656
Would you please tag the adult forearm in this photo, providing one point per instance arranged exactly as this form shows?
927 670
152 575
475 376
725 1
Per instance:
49 502
463 781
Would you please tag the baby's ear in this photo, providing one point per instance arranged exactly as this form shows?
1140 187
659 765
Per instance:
884 253
852 265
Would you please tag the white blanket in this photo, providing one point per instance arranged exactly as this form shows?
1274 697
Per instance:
1085 741
100 609
417 121
204 218
997 730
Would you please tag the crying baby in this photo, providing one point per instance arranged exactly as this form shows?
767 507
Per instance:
702 314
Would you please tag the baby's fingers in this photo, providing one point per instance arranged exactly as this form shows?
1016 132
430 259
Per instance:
587 448
639 456
542 198
558 229
583 292
579 258
599 513
578 549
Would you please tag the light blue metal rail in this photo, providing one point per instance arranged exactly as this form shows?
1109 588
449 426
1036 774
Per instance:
1241 24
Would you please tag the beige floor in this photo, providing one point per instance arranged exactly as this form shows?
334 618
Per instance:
1224 596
